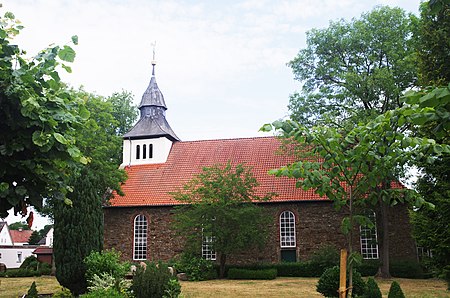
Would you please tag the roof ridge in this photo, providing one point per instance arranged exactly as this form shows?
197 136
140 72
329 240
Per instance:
230 139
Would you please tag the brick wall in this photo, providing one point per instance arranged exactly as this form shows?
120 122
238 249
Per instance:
317 224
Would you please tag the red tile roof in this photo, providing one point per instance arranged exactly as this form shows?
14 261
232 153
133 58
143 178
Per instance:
150 185
20 236
43 250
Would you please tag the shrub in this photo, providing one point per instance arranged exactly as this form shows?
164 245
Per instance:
102 293
235 273
298 269
328 284
30 262
372 289
32 292
406 269
107 261
196 268
63 293
45 269
395 291
152 281
106 281
22 273
173 289
324 258
368 267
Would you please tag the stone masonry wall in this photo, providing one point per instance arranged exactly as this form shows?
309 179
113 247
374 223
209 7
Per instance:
317 224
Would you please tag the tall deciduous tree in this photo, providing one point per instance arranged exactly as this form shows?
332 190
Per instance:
431 228
37 117
221 209
353 167
354 68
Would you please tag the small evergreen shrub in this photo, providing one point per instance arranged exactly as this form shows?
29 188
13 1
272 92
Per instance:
406 269
21 273
235 273
107 261
32 292
152 281
31 263
196 268
395 291
63 293
328 284
372 289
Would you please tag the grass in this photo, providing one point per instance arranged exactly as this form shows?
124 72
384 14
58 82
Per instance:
17 286
280 287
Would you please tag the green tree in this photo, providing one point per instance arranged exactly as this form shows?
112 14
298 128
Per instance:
354 69
221 210
434 45
353 167
43 232
78 232
35 237
99 140
37 117
19 225
431 227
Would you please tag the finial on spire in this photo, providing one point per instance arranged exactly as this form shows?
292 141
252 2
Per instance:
153 61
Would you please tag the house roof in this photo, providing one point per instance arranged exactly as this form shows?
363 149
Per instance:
151 185
20 236
2 224
43 250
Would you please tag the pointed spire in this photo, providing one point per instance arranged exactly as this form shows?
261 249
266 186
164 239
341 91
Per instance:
153 108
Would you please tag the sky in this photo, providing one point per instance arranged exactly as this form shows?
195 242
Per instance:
221 65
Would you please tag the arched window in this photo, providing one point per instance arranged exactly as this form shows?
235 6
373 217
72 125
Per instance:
140 238
138 151
144 151
150 151
368 238
287 229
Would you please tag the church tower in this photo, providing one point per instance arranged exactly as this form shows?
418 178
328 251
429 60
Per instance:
151 138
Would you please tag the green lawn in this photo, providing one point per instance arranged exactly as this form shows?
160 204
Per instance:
280 287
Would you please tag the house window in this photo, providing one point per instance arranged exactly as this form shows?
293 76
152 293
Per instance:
368 239
144 151
19 257
140 238
287 229
138 152
208 253
150 151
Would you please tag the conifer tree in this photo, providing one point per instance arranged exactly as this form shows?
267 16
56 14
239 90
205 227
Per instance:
395 291
78 231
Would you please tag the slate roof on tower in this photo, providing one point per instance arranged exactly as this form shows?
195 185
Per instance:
151 184
152 122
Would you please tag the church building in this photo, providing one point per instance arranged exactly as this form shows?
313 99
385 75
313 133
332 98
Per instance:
138 224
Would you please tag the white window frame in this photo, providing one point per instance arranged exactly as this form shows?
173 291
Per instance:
368 239
287 230
140 231
208 253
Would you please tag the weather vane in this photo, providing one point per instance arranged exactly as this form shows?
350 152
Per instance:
154 49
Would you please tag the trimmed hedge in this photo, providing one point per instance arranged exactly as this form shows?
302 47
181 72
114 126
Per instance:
406 269
235 273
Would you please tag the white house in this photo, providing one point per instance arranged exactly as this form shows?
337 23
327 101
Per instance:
13 246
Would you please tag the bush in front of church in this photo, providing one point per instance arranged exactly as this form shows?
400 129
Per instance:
154 280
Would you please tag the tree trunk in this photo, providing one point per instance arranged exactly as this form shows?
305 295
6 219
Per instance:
223 258
384 251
